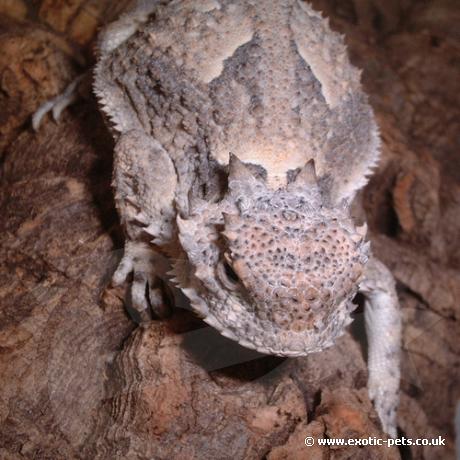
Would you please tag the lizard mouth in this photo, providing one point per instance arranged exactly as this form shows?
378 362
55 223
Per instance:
238 324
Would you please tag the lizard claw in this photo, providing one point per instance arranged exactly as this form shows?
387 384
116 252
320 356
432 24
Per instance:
125 267
57 104
385 403
146 293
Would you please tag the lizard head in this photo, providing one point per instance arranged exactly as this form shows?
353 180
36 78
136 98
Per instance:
275 270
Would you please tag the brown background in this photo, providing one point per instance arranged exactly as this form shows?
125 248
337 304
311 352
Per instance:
78 380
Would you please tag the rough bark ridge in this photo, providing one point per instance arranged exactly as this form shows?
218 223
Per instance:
79 380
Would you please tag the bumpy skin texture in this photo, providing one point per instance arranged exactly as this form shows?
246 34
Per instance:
242 135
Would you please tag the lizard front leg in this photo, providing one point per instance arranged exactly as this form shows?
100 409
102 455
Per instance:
145 182
383 328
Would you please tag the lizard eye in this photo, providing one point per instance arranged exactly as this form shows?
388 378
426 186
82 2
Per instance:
227 275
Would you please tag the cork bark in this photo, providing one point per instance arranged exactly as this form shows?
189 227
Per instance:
80 379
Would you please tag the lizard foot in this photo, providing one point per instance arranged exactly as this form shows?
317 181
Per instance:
385 399
148 293
58 104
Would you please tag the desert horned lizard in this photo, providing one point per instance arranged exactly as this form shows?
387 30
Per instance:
242 136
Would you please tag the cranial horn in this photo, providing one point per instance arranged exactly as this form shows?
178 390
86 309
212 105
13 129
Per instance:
237 169
186 226
307 175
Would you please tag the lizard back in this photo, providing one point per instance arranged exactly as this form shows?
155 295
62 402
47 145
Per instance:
267 81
